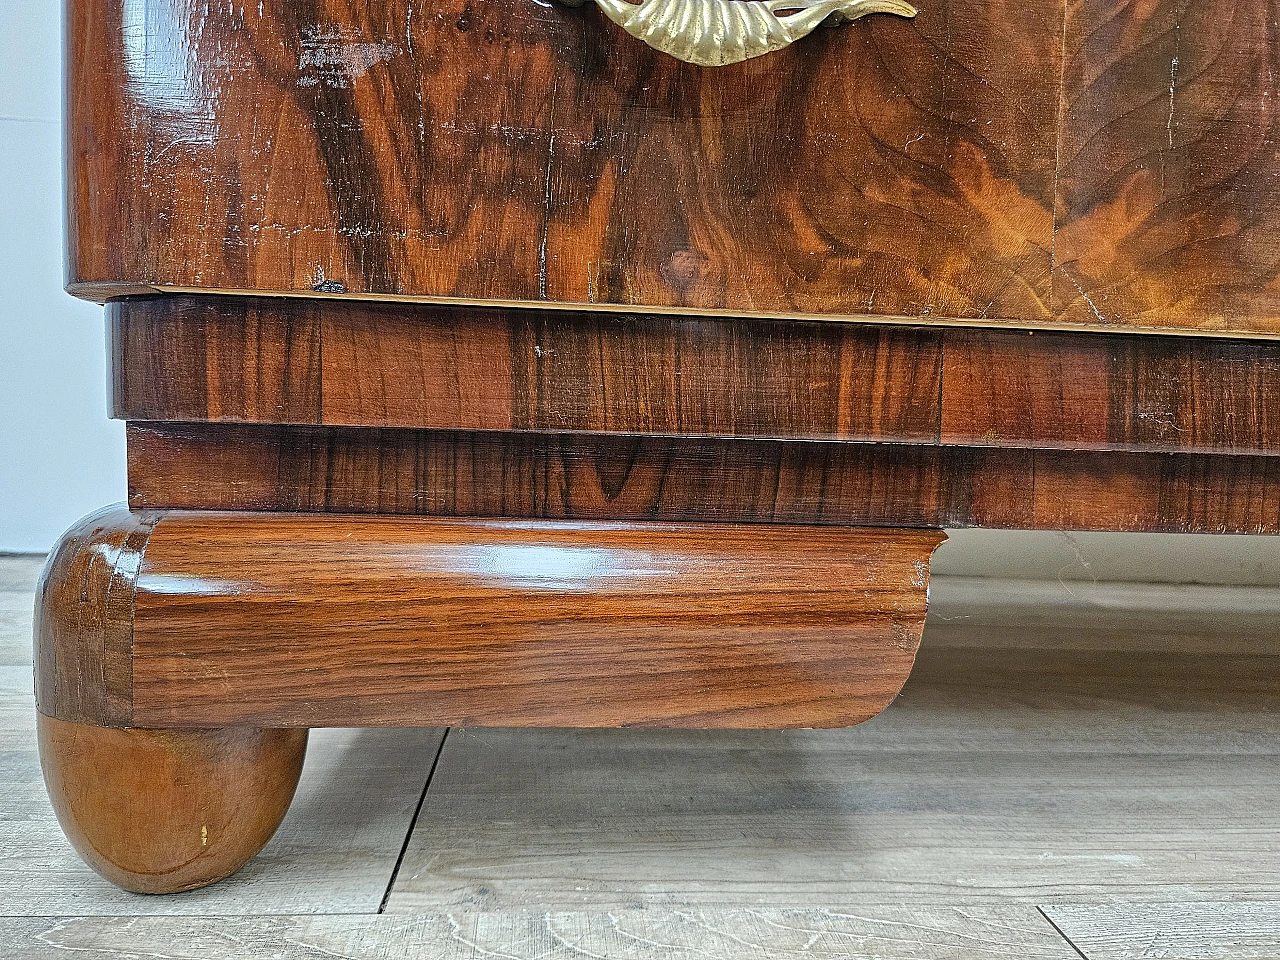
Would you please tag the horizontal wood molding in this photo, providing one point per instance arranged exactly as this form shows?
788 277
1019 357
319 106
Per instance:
904 169
391 365
265 620
228 359
602 477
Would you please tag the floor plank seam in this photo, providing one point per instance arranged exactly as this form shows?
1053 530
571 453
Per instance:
1057 929
413 823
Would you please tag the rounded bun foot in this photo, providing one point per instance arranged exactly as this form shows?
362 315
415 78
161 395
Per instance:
161 811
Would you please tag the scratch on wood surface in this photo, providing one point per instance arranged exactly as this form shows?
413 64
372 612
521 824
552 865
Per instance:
546 195
1092 306
546 220
335 55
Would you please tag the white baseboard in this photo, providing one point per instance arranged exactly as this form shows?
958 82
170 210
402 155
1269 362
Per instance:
1124 557
1106 615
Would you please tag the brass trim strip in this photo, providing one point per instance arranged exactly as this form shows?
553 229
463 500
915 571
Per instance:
102 292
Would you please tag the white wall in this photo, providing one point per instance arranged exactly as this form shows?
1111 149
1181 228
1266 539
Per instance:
60 457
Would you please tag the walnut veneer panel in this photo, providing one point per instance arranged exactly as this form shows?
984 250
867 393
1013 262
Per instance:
1052 162
361 364
268 619
488 370
521 151
1169 178
228 359
594 477
1111 392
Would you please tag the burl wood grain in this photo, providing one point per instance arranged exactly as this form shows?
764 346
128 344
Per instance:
583 477
162 811
84 618
518 151
360 364
1169 175
267 620
1046 163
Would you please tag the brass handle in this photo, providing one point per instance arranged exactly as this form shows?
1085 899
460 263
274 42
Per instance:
715 33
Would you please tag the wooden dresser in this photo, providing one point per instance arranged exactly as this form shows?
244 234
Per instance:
492 363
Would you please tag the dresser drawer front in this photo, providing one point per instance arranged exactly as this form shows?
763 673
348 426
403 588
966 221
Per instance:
967 165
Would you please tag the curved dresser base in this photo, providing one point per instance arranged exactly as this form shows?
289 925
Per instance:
180 657
276 620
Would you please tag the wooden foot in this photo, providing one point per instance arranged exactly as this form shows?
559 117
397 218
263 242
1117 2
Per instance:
160 811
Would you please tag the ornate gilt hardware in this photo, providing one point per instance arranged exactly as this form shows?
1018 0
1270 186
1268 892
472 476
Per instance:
715 33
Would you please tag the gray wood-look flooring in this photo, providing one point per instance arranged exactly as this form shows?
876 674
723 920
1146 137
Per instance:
1094 774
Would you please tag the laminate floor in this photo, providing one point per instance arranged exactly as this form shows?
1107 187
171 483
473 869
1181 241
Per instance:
1088 774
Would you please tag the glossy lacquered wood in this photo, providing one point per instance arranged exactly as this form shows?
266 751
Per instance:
161 811
1043 163
360 364
583 477
276 620
508 151
84 618
225 359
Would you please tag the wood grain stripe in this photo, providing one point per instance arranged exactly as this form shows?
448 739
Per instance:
389 365
302 620
583 477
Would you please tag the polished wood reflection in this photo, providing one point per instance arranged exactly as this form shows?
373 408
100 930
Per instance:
84 618
360 364
1034 163
270 619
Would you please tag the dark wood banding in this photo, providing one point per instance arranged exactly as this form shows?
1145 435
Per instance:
581 477
392 365
232 359
1110 392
